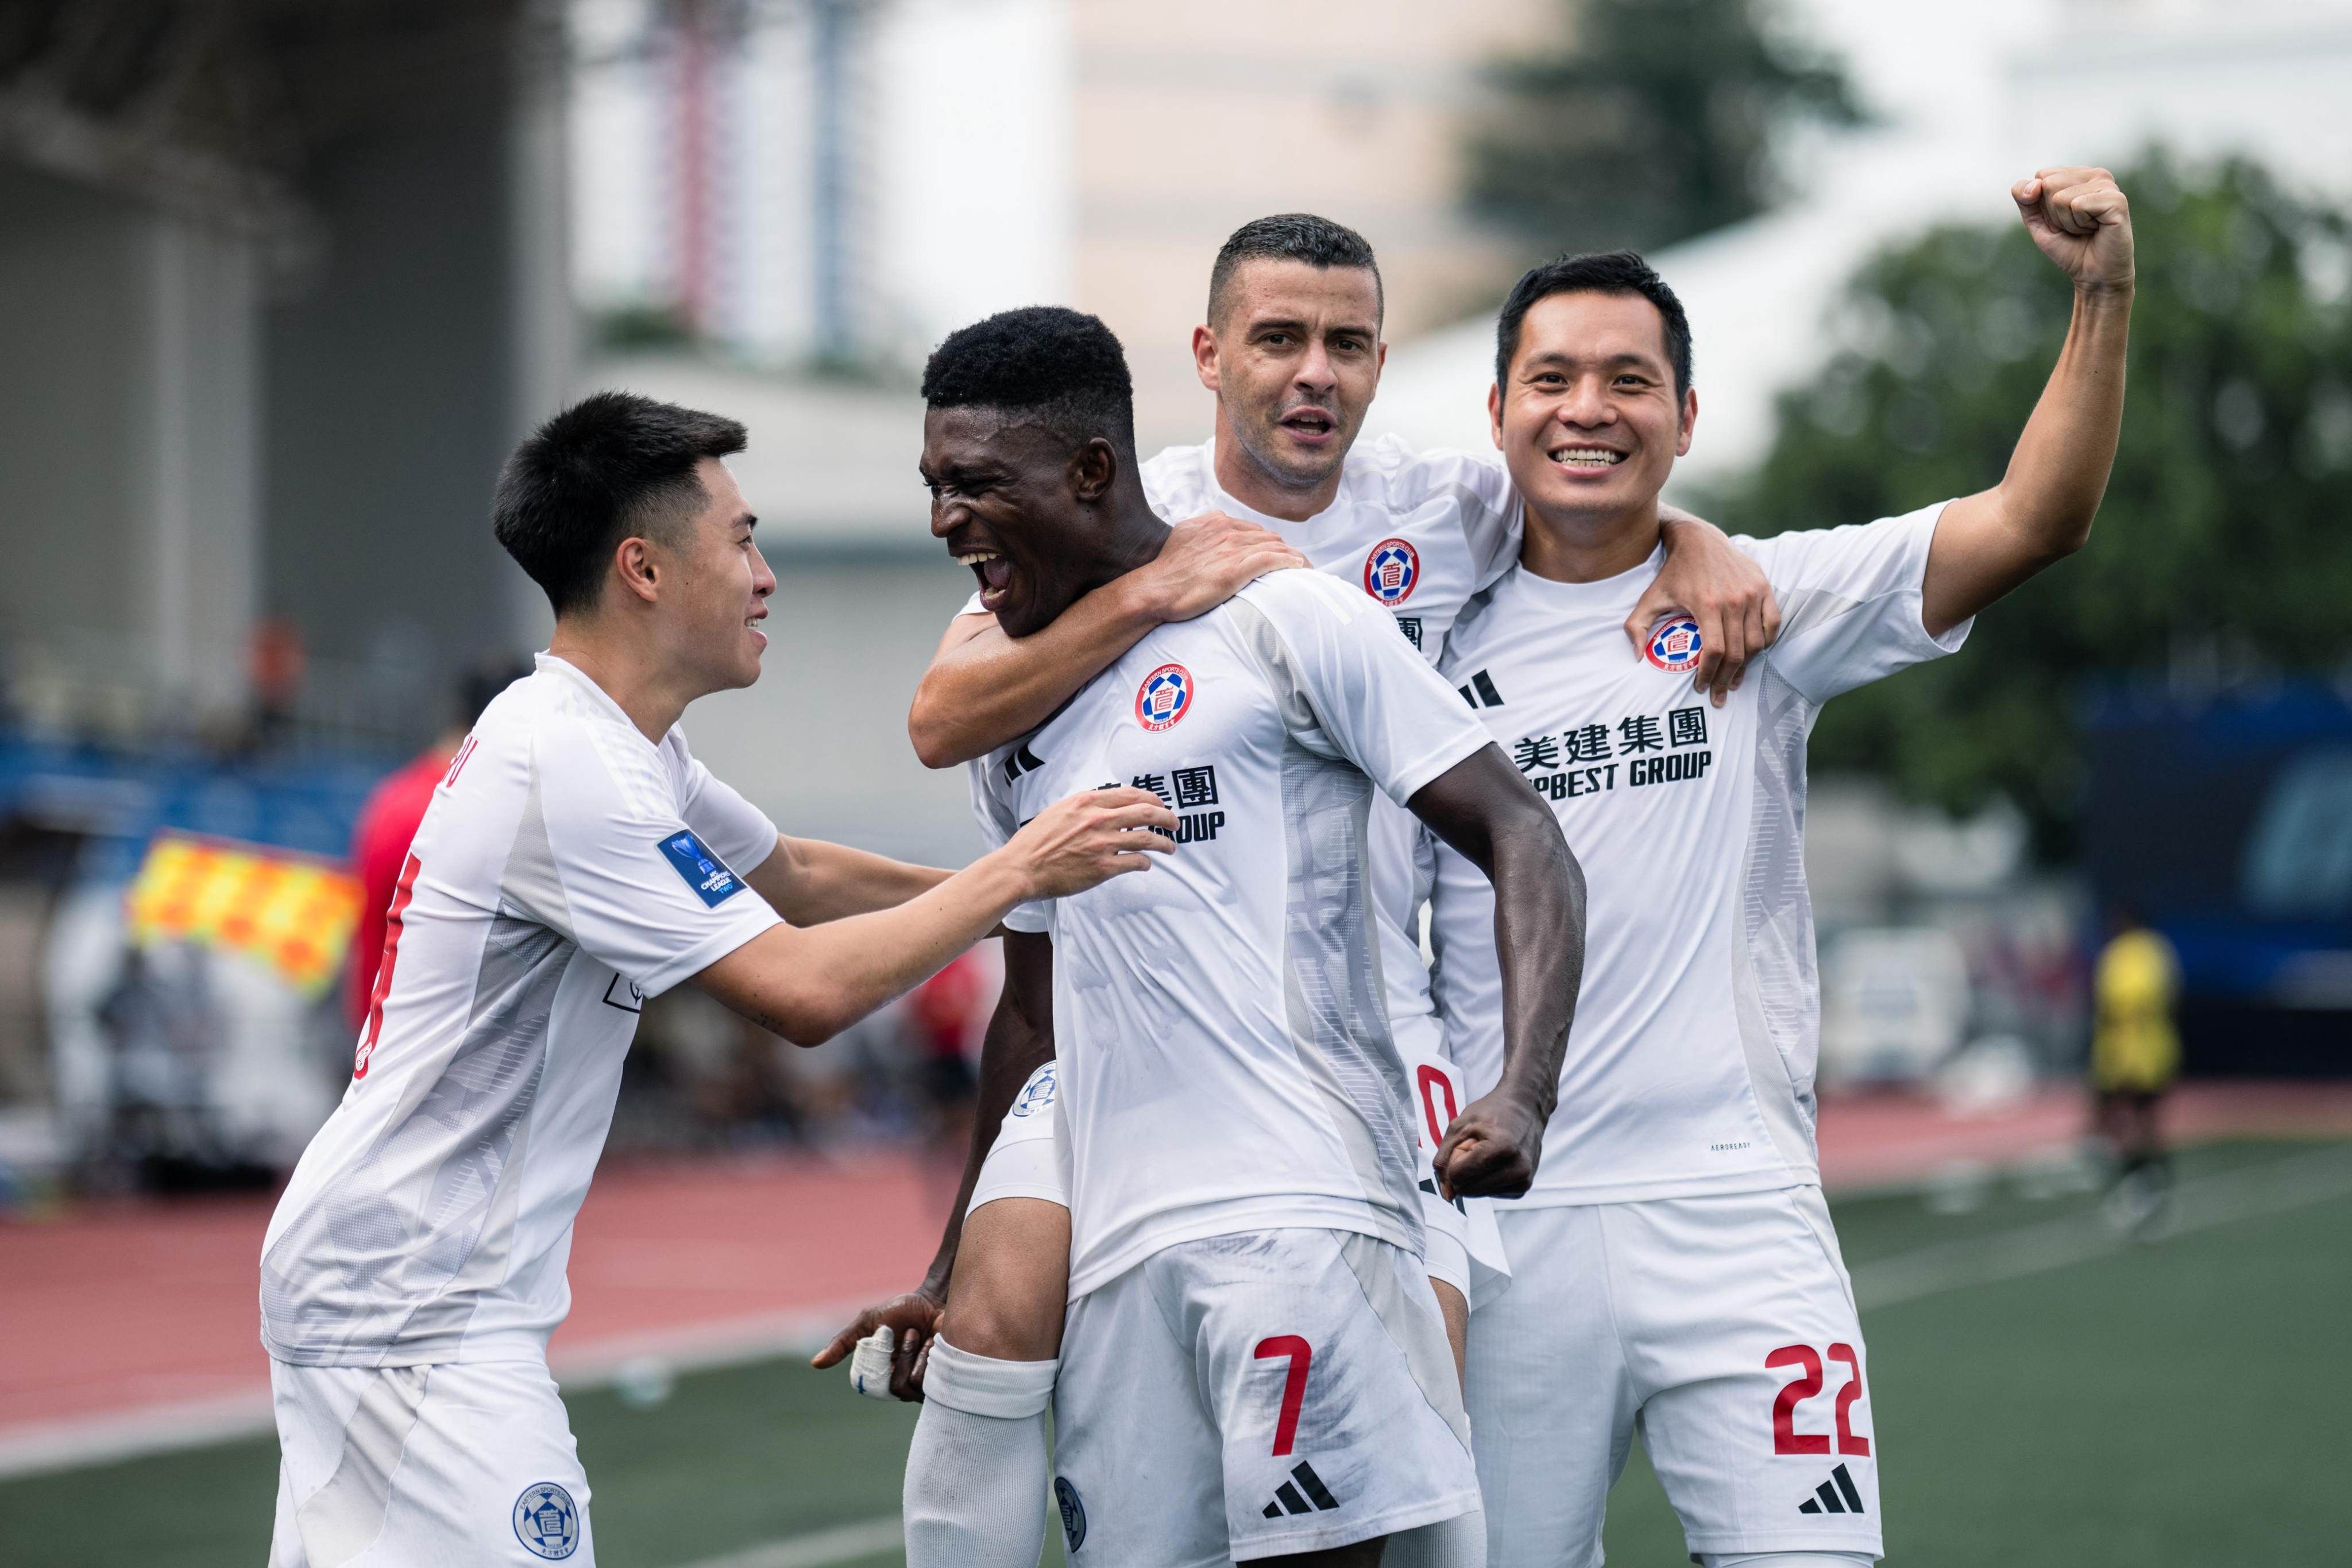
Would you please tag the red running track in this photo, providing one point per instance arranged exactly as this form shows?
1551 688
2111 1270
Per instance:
115 1309
120 1306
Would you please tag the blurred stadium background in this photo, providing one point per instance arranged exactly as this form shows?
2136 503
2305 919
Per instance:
281 280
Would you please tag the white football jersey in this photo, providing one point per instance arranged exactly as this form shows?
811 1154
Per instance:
567 868
1226 1060
1418 534
1690 1066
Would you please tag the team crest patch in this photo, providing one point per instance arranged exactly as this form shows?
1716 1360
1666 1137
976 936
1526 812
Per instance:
706 873
1674 644
1165 697
1074 1512
1392 572
1037 1094
546 1521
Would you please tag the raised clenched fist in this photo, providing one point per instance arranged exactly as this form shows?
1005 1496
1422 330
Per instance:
2080 219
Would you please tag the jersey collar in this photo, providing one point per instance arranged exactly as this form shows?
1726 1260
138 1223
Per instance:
548 664
1350 479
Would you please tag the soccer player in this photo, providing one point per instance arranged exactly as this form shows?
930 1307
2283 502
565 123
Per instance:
1292 352
1254 1366
575 859
2134 1056
1672 1269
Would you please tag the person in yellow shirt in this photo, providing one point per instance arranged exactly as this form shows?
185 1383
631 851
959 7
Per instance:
2134 1056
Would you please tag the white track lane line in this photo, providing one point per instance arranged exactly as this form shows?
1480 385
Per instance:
2272 1187
819 1549
76 1441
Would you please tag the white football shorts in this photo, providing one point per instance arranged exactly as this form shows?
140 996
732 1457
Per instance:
1257 1395
1025 1161
392 1466
1723 1329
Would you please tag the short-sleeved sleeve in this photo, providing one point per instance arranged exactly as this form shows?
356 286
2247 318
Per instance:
1849 601
740 832
620 871
1350 687
997 826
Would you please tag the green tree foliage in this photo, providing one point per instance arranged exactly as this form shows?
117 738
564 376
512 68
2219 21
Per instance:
2222 548
1657 121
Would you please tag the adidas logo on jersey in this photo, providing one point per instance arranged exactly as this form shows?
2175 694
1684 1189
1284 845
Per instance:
1479 692
1843 1499
1309 1495
1022 761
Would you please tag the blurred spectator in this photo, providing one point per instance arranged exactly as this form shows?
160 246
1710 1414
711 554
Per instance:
946 1018
2134 1055
388 821
275 664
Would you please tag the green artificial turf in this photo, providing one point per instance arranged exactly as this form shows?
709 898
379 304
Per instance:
2172 1406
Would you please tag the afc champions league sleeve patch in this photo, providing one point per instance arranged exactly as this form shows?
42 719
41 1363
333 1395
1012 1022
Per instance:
706 873
1392 572
1674 644
547 1521
1165 697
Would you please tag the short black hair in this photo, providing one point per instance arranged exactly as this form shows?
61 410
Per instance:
612 466
1292 236
1603 272
1056 367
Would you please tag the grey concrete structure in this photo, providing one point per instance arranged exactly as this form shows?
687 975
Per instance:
280 282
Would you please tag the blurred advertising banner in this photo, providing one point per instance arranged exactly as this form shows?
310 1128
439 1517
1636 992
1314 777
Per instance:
292 913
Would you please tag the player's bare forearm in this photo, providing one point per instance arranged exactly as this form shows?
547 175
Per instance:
1484 809
1020 1039
809 882
984 689
808 984
1986 544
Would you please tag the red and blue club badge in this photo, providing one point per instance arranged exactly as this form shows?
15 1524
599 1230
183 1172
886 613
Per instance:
1392 572
1165 697
1674 644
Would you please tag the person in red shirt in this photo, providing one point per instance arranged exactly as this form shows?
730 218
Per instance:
388 823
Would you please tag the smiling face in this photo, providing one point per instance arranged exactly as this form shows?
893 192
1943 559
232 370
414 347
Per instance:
720 591
1589 421
1294 356
1010 500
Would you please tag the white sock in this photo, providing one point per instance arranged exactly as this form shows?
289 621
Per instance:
975 1492
1456 1542
1786 1559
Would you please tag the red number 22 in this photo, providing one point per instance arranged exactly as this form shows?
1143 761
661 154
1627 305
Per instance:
1786 1439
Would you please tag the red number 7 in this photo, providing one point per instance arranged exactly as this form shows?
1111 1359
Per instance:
1293 1384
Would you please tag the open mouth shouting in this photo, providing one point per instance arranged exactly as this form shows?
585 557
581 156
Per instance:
995 575
1310 426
